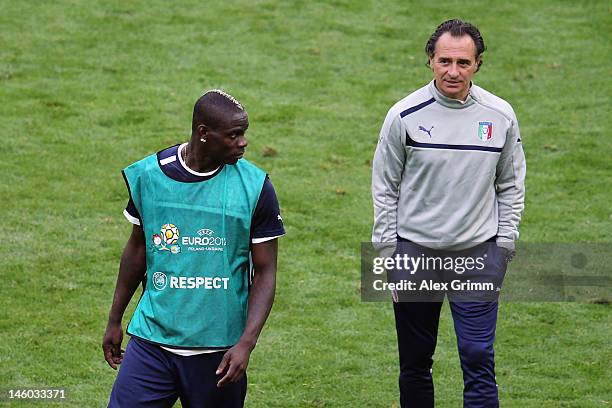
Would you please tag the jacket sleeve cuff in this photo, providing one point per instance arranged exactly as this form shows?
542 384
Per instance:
506 243
385 249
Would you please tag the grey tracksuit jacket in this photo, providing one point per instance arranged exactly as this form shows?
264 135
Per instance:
449 174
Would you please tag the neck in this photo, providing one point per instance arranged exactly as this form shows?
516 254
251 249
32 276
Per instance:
198 160
450 102
461 98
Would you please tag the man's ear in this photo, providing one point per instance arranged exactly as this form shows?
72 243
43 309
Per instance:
430 61
478 63
203 130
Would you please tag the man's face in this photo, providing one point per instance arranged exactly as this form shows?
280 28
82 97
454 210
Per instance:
454 64
227 142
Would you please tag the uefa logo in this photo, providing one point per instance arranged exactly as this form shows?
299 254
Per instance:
160 280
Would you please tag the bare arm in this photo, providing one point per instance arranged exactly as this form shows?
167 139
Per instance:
131 270
236 359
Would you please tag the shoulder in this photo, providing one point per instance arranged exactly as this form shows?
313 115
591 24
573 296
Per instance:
134 172
267 196
411 103
168 153
147 162
267 189
247 175
492 101
267 221
144 162
245 166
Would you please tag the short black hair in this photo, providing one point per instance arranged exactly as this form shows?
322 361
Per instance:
213 107
457 28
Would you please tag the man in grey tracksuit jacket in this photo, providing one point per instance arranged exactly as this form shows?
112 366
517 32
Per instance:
448 174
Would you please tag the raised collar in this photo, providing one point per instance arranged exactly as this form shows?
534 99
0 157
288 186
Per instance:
450 102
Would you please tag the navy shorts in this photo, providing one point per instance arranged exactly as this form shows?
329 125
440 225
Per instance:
152 377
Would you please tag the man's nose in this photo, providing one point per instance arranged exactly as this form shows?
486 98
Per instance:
452 70
242 142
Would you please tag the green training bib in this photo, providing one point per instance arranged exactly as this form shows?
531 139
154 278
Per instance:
198 264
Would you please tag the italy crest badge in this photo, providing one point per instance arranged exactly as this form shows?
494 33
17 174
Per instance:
485 131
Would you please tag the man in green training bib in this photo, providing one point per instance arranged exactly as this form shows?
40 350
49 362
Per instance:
204 245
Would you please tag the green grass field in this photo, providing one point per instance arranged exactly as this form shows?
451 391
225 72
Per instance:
88 87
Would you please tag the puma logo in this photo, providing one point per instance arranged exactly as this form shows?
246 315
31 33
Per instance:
426 131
